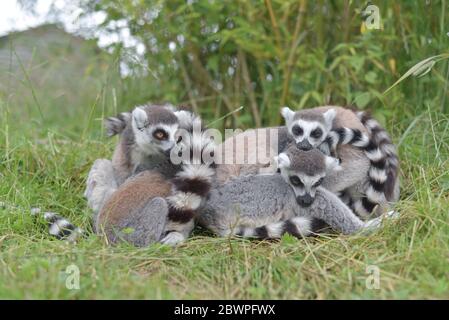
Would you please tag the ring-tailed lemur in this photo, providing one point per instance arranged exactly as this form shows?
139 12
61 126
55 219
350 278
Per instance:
149 207
388 162
311 129
293 202
146 137
147 134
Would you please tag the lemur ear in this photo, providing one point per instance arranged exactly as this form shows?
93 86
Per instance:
140 117
282 161
329 117
287 113
332 164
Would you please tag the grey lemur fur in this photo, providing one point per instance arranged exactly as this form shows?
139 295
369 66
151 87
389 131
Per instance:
148 207
270 205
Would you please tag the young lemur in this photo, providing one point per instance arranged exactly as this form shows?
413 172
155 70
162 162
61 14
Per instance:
149 207
270 205
312 129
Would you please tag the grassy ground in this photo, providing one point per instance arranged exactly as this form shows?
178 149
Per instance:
412 253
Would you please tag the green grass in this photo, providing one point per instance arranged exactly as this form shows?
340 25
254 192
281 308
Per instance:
412 253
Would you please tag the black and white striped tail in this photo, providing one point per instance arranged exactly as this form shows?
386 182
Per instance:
298 227
377 175
384 165
345 135
116 125
190 188
58 226
383 160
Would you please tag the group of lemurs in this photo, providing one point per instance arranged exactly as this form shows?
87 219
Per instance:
335 169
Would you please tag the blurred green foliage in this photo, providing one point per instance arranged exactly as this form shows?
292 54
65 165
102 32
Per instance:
218 55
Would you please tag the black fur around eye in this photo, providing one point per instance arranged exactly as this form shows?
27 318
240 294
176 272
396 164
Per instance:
297 130
160 134
317 133
318 182
296 181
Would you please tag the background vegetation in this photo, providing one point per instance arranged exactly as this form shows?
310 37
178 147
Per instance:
216 56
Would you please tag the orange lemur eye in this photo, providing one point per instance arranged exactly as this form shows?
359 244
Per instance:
160 134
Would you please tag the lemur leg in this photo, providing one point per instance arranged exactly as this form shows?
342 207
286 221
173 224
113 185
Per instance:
177 232
329 208
335 213
142 227
100 184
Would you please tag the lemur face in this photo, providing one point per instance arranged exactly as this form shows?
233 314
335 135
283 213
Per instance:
304 171
309 128
155 129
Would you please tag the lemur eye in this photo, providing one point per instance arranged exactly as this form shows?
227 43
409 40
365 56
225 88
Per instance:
297 130
317 133
296 181
160 134
318 182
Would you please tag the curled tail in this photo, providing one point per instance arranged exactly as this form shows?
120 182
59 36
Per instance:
191 185
298 227
384 162
381 138
381 153
345 135
58 226
384 165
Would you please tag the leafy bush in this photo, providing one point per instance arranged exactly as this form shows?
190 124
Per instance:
218 55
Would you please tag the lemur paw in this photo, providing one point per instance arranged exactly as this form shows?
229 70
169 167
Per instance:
173 238
391 215
376 223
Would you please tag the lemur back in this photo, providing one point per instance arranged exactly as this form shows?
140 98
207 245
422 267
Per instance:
269 205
